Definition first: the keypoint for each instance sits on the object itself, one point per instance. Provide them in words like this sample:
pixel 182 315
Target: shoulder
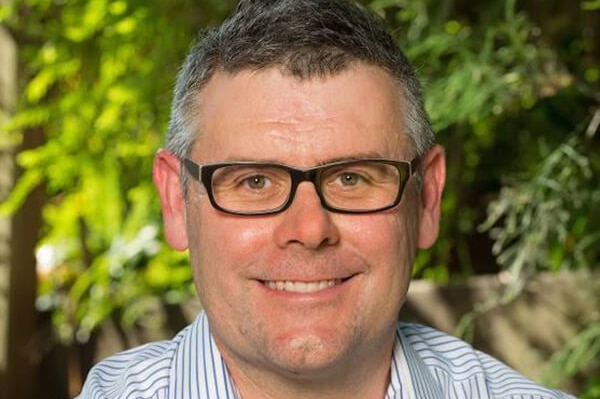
pixel 458 366
pixel 144 371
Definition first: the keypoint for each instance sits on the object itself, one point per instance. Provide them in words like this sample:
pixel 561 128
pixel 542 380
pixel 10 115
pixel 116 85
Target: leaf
pixel 25 185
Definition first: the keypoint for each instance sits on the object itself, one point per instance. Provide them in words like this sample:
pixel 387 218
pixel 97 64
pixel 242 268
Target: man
pixel 301 174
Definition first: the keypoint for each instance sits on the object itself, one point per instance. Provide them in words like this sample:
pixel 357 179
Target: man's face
pixel 305 291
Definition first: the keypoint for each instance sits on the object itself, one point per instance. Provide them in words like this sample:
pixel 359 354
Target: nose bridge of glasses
pixel 304 175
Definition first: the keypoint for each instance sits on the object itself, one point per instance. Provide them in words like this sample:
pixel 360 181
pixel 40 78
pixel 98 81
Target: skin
pixel 335 342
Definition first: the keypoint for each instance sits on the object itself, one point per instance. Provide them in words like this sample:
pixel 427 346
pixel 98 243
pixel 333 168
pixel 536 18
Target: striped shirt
pixel 426 364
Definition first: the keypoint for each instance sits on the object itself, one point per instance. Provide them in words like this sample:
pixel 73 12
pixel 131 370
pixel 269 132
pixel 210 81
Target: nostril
pixel 306 222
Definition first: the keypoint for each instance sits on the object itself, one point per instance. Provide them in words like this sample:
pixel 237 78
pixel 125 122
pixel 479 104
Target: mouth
pixel 302 287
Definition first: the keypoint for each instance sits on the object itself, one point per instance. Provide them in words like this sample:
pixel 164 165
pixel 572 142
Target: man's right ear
pixel 166 175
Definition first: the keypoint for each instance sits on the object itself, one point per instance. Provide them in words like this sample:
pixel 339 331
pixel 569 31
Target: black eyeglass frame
pixel 204 173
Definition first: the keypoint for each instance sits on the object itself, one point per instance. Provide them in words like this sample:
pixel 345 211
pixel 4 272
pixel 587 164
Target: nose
pixel 306 222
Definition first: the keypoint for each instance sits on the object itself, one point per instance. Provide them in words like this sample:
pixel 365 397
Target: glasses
pixel 351 186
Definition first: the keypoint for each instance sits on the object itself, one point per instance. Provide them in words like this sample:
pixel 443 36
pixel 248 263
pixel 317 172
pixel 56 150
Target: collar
pixel 198 370
pixel 410 378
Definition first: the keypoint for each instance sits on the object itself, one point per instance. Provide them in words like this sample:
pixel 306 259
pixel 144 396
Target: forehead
pixel 270 115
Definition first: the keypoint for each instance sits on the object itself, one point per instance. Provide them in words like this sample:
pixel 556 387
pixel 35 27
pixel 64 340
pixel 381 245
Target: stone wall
pixel 524 332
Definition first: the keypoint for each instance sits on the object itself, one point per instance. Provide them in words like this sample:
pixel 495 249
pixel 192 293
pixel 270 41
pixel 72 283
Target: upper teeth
pixel 296 286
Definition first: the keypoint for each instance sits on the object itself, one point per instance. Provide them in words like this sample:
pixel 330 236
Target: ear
pixel 166 175
pixel 434 177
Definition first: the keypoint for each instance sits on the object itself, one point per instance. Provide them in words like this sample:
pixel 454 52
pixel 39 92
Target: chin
pixel 310 354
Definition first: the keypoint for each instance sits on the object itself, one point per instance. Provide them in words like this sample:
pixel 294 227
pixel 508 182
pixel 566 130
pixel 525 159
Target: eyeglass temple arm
pixel 414 165
pixel 192 167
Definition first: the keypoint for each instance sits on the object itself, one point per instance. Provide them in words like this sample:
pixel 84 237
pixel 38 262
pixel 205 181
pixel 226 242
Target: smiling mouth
pixel 302 287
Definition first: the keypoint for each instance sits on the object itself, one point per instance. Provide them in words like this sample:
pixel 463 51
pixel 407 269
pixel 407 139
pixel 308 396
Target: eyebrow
pixel 353 157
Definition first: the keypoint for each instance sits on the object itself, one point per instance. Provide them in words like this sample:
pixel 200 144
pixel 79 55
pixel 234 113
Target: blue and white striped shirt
pixel 426 364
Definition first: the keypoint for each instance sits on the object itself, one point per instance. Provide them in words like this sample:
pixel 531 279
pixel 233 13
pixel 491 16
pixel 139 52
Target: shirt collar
pixel 198 370
pixel 410 378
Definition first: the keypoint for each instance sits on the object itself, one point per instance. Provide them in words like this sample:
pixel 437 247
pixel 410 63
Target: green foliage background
pixel 513 91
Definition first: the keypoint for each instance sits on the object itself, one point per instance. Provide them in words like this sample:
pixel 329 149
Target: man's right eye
pixel 256 182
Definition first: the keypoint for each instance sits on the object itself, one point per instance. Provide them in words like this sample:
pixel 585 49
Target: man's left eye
pixel 350 179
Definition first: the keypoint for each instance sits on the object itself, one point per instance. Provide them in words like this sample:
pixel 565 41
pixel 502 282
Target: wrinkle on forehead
pixel 303 115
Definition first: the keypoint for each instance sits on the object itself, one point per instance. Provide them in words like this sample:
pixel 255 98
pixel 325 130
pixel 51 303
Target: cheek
pixel 233 241
pixel 221 235
pixel 388 244
pixel 221 247
pixel 387 237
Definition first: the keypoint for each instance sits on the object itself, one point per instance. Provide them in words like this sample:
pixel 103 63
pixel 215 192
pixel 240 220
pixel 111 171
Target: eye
pixel 350 179
pixel 257 182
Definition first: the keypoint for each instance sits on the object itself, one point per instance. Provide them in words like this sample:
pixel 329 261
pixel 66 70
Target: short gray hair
pixel 306 38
